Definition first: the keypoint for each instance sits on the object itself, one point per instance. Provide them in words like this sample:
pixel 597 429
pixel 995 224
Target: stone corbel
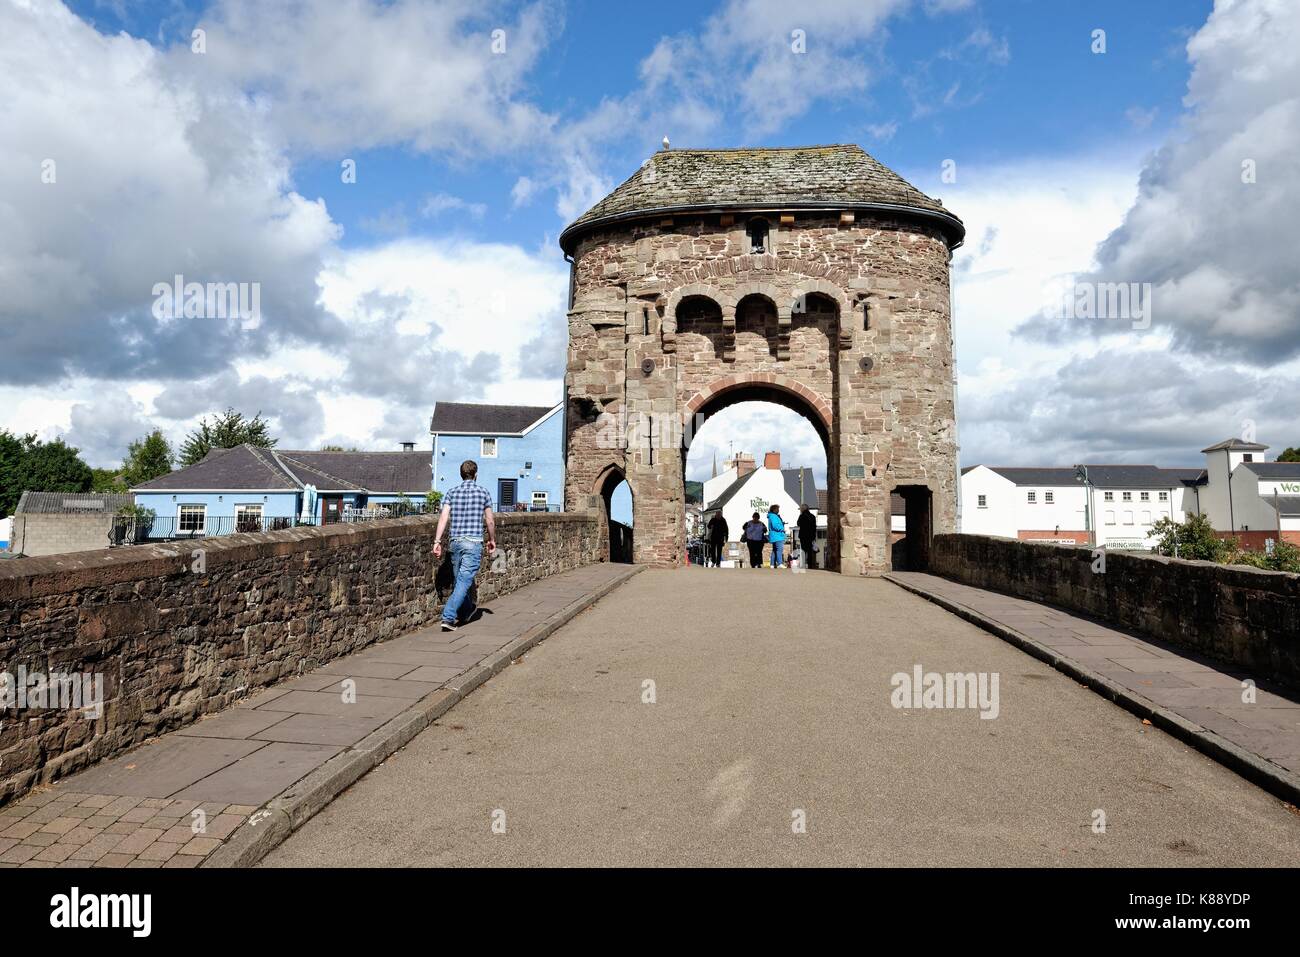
pixel 667 325
pixel 783 326
pixel 728 333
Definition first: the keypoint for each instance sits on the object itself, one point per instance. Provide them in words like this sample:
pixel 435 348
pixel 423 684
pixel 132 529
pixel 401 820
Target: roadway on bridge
pixel 772 696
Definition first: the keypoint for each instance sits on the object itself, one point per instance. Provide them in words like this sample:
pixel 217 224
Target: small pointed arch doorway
pixel 616 514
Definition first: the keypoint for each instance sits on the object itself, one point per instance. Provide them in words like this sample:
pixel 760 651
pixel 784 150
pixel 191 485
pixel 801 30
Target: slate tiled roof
pixel 1274 470
pixel 70 503
pixel 1101 476
pixel 242 468
pixel 836 177
pixel 373 471
pixel 791 479
pixel 484 419
pixel 245 468
pixel 1236 445
pixel 1288 505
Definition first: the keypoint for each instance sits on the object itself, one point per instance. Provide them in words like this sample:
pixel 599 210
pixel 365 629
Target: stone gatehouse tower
pixel 814 277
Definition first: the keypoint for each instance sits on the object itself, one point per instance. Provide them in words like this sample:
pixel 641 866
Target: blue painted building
pixel 254 489
pixel 519 450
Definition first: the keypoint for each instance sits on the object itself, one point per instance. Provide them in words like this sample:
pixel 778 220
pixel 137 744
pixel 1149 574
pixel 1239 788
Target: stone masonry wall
pixel 1243 616
pixel 40 533
pixel 879 290
pixel 174 643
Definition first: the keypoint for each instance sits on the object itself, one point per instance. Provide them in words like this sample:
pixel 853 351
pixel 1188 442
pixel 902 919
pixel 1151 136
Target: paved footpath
pixel 194 794
pixel 771 706
pixel 1195 695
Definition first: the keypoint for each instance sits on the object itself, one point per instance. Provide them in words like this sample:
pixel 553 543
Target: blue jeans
pixel 777 560
pixel 466 554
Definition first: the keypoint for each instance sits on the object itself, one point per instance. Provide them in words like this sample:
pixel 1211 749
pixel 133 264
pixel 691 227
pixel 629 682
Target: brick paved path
pixel 173 802
pixel 1205 692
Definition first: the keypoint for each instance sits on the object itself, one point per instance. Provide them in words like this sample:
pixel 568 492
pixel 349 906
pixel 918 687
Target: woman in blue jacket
pixel 776 535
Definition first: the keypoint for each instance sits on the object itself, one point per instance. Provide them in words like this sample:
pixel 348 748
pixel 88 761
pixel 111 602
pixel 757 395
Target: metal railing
pixel 127 530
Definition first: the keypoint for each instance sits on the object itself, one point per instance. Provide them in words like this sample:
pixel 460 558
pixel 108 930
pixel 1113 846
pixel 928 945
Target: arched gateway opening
pixel 616 534
pixel 838 308
pixel 725 394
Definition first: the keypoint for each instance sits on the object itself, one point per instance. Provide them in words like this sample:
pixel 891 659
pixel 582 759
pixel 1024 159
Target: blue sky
pixel 436 275
pixel 1032 88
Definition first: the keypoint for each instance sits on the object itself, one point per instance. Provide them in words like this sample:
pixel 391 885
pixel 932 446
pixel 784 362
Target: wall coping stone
pixel 38 576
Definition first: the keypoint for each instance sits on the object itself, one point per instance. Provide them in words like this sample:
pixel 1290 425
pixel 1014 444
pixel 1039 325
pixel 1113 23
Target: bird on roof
pixel 665 142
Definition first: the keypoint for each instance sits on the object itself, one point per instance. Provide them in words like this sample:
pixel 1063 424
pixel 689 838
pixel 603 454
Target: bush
pixel 1285 558
pixel 1192 539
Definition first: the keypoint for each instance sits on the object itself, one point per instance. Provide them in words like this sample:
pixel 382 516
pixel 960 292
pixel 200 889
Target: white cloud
pixel 1218 249
pixel 148 182
pixel 337 75
pixel 756 428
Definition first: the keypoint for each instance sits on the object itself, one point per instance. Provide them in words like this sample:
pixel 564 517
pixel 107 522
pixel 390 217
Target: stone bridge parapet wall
pixel 184 629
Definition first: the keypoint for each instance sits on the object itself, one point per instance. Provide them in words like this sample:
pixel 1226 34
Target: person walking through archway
pixel 754 533
pixel 776 535
pixel 718 533
pixel 808 536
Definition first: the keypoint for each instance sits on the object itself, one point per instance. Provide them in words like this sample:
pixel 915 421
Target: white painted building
pixel 1117 505
pixel 756 490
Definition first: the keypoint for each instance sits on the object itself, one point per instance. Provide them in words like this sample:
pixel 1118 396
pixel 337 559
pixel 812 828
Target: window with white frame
pixel 1033 497
pixel 1049 497
pixel 1146 518
pixel 540 499
pixel 487 448
pixel 1110 516
pixel 1109 496
pixel 191 519
pixel 248 518
pixel 1128 518
pixel 1145 496
pixel 1164 496
pixel 982 501
pixel 1128 496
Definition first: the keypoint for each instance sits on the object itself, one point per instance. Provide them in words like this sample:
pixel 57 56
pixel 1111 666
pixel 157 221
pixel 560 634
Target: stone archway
pixel 781 390
pixel 843 313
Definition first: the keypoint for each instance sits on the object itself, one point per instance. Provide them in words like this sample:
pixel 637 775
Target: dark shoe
pixel 448 626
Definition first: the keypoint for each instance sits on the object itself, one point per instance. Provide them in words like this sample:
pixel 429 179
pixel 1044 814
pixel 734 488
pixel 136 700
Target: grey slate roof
pixel 1236 445
pixel 1288 505
pixel 791 479
pixel 484 419
pixel 1274 470
pixel 239 469
pixel 841 176
pixel 373 471
pixel 70 503
pixel 245 468
pixel 1101 476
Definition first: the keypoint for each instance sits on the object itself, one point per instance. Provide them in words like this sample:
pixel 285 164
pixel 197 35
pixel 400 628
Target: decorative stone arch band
pixel 759 381
pixel 785 309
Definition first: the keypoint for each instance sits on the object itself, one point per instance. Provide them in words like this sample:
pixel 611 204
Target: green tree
pixel 228 429
pixel 30 465
pixel 1192 539
pixel 108 480
pixel 146 458
pixel 1290 455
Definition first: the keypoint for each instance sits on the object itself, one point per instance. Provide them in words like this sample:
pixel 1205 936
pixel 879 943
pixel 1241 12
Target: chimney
pixel 408 446
pixel 742 463
pixel 772 460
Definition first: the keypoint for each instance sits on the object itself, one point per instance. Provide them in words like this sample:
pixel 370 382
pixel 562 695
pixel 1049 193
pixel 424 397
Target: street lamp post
pixel 1081 475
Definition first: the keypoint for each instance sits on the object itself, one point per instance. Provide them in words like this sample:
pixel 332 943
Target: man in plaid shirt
pixel 468 509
